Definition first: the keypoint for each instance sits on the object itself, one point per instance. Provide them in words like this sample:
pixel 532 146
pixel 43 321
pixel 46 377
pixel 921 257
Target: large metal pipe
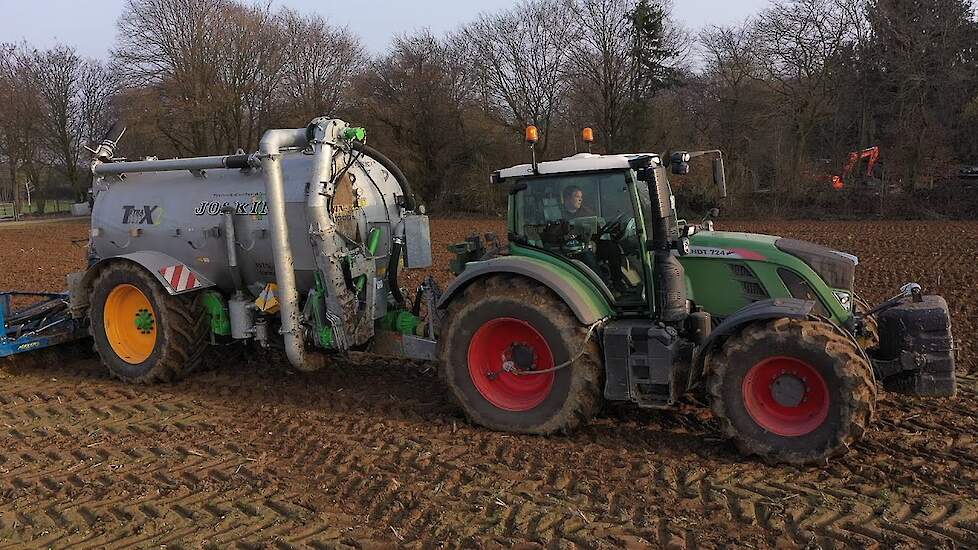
pixel 231 243
pixel 197 163
pixel 272 142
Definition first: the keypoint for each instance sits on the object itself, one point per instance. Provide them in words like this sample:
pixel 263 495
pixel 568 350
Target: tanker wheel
pixel 512 320
pixel 870 336
pixel 792 391
pixel 141 332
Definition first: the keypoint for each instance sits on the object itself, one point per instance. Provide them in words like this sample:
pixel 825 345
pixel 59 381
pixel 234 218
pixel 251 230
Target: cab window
pixel 587 217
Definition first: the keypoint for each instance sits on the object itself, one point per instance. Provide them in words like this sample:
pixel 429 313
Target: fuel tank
pixel 181 213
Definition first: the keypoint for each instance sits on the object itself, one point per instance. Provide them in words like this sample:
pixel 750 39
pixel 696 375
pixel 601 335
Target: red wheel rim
pixel 786 396
pixel 507 339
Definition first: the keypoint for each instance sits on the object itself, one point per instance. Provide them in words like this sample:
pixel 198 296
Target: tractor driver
pixel 574 203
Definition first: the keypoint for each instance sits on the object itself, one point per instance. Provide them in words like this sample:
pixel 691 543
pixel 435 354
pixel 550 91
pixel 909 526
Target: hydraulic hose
pixel 409 201
pixel 392 262
pixel 115 132
pixel 106 150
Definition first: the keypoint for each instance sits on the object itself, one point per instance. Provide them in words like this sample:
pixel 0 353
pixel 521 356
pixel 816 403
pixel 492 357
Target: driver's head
pixel 573 198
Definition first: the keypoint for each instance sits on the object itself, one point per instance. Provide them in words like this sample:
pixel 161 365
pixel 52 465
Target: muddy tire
pixel 141 332
pixel 870 336
pixel 791 391
pixel 511 318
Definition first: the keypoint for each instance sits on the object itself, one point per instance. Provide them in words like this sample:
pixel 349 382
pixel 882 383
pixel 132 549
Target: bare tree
pixel 739 115
pixel 96 88
pixel 624 56
pixel 214 64
pixel 927 70
pixel 603 65
pixel 73 94
pixel 250 68
pixel 793 43
pixel 522 57
pixel 322 64
pixel 418 94
pixel 20 119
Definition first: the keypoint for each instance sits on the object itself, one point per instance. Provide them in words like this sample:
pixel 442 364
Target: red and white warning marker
pixel 179 277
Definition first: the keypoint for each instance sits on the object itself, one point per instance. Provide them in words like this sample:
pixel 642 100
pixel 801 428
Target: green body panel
pixel 324 332
pixel 400 321
pixel 712 284
pixel 217 310
pixel 576 280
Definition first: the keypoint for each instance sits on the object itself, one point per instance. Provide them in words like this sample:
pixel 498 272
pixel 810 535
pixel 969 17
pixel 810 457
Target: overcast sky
pixel 89 25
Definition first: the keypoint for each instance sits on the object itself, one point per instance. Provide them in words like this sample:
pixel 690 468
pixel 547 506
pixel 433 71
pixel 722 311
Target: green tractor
pixel 604 295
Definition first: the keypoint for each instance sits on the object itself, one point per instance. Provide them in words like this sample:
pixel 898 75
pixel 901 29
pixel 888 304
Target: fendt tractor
pixel 600 295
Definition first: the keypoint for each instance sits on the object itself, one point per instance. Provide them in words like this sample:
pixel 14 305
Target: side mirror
pixel 719 178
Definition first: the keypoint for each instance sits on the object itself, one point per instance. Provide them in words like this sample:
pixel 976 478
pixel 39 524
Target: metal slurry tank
pixel 180 213
pixel 315 210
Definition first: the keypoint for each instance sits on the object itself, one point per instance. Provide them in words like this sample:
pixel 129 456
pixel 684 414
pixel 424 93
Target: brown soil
pixel 371 453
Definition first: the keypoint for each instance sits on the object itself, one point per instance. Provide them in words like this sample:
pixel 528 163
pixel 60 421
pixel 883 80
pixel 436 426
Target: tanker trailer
pixel 295 246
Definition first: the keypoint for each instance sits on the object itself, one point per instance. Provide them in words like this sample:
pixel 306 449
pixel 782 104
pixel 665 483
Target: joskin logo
pixel 147 215
pixel 239 208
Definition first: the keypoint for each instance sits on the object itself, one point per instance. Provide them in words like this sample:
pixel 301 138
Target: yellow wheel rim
pixel 130 324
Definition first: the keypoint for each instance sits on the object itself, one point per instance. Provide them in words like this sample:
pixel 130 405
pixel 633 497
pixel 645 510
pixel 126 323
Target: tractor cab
pixel 611 217
pixel 586 209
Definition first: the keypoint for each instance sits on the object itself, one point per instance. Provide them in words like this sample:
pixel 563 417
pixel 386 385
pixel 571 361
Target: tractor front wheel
pixel 792 391
pixel 498 335
pixel 142 333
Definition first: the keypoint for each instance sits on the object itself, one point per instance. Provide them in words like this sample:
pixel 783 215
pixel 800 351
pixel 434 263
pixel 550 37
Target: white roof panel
pixel 581 162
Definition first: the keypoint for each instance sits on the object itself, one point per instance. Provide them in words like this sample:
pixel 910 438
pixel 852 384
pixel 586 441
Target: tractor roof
pixel 581 162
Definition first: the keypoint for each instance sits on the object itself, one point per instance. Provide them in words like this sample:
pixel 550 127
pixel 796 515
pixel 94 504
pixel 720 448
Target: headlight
pixel 844 298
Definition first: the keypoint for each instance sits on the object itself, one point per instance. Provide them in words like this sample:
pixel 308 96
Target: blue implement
pixel 46 321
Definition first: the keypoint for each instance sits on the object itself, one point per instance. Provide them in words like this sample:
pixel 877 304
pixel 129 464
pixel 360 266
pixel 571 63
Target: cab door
pixel 590 220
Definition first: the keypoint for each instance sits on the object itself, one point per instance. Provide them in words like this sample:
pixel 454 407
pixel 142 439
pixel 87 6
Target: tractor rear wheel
pixel 514 322
pixel 792 391
pixel 141 332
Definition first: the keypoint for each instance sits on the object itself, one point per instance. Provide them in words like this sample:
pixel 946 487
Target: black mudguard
pixel 774 308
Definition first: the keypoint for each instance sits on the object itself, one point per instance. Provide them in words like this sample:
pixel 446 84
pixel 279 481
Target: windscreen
pixel 586 217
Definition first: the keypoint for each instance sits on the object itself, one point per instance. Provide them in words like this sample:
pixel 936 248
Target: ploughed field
pixel 371 452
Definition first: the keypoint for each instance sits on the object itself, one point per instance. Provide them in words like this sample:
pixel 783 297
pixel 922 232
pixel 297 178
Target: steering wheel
pixel 613 228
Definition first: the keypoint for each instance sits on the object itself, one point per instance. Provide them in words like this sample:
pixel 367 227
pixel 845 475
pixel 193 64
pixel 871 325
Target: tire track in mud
pixel 98 464
pixel 372 452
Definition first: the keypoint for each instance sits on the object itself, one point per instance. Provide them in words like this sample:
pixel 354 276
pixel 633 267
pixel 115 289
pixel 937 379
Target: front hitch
pixel 909 290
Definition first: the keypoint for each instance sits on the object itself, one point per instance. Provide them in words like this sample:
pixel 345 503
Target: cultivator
pixel 33 321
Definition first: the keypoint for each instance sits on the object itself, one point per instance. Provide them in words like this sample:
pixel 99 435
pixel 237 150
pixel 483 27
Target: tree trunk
pixel 14 187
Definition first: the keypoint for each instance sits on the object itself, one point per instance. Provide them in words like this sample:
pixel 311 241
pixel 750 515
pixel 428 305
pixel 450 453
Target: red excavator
pixel 855 158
